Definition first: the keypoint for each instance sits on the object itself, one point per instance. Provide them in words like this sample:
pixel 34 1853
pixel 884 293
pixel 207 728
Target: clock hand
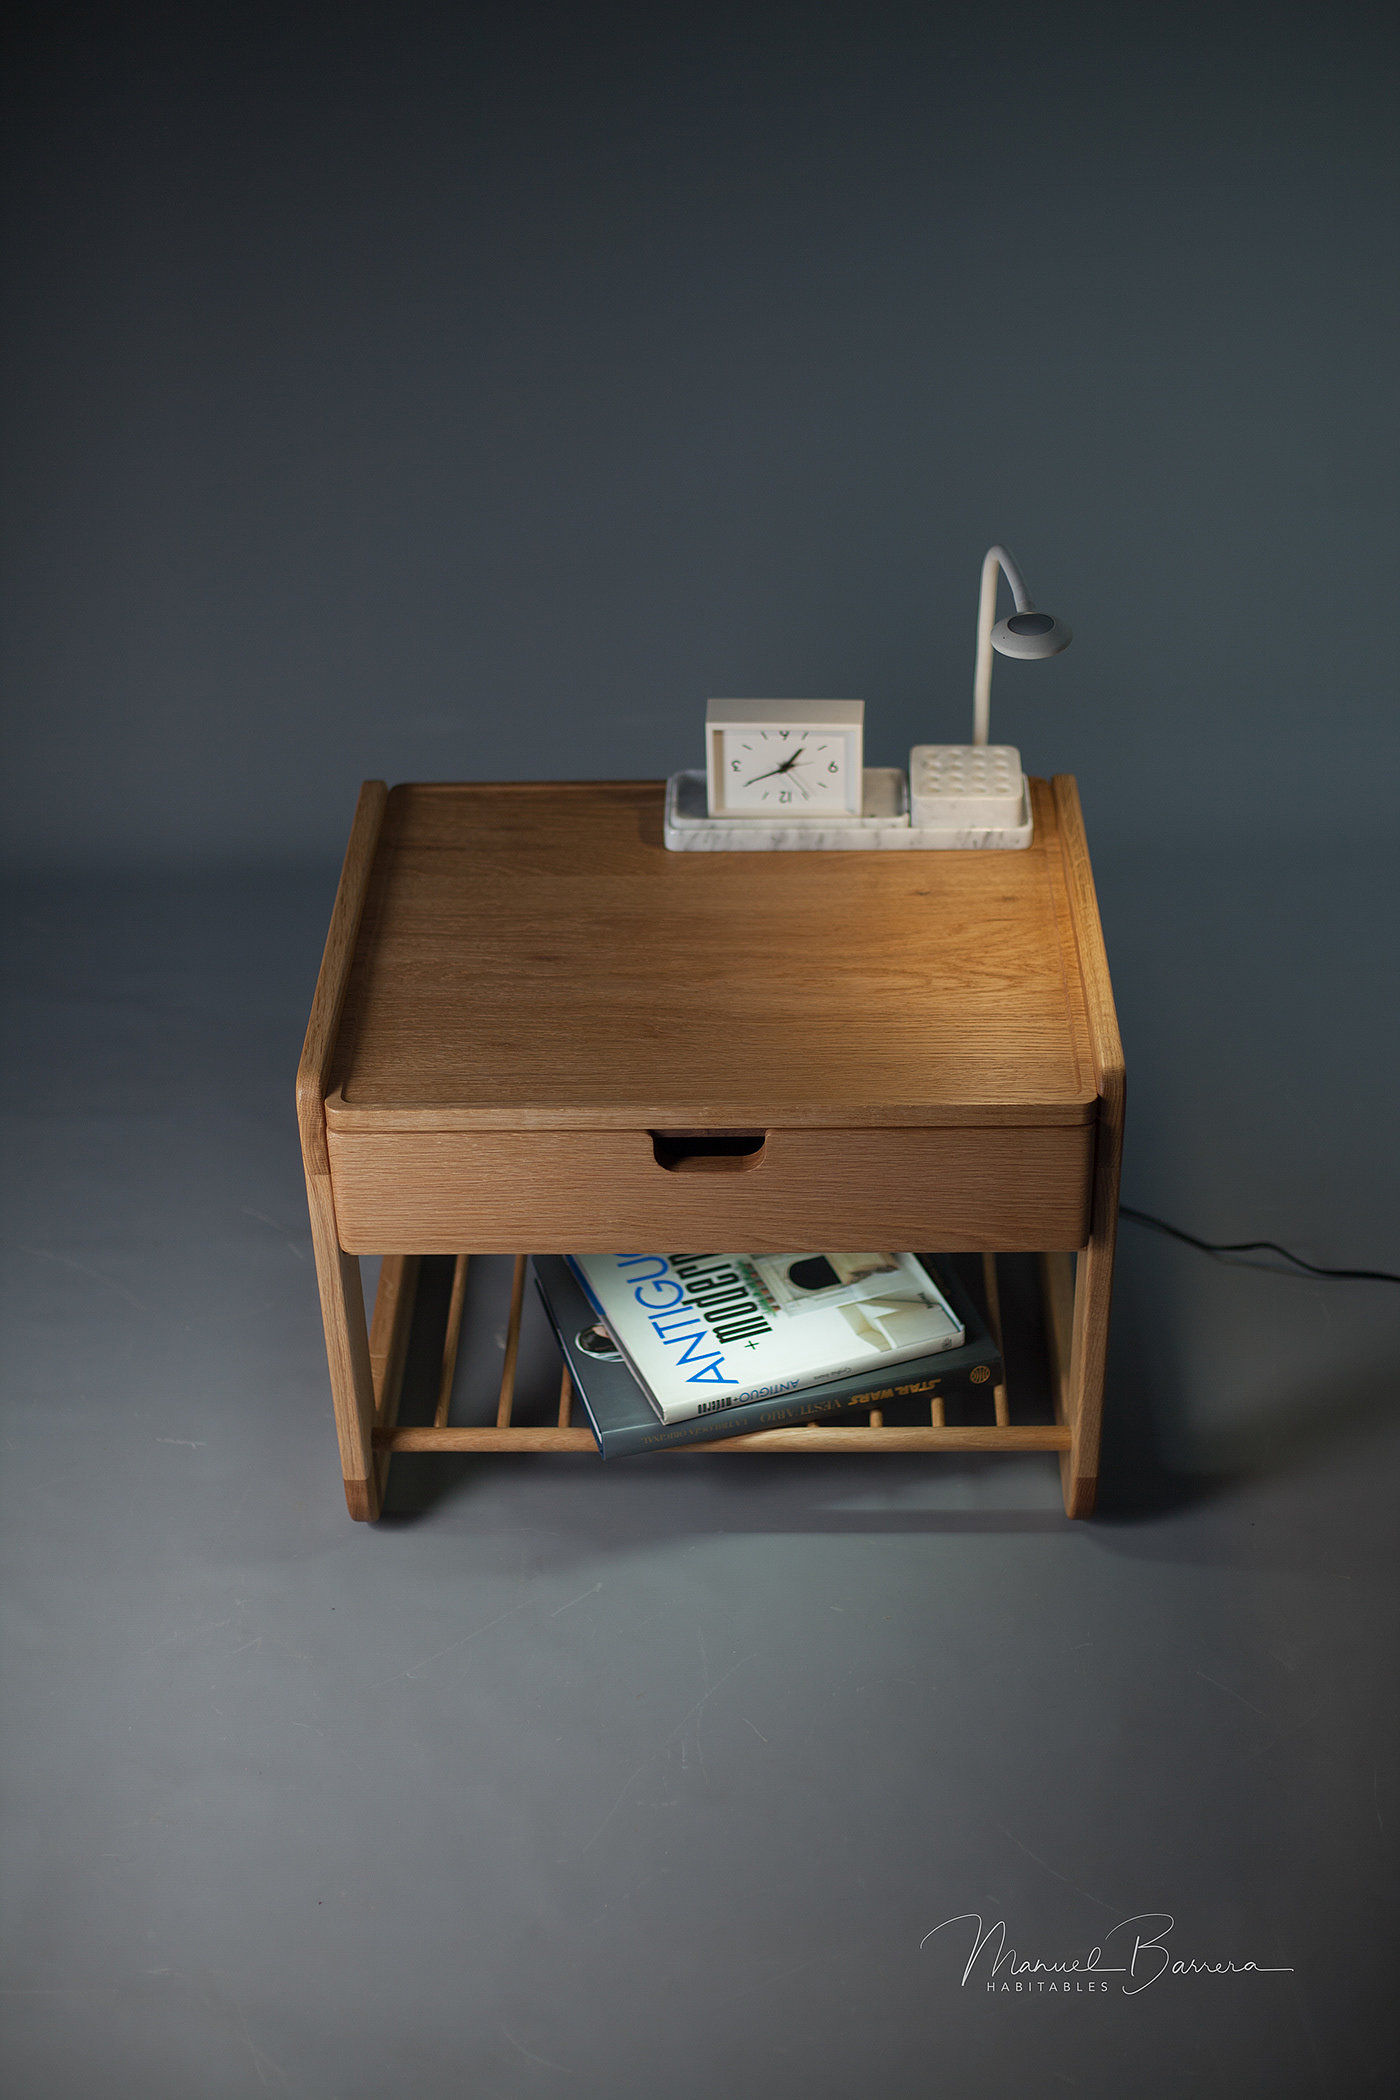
pixel 785 767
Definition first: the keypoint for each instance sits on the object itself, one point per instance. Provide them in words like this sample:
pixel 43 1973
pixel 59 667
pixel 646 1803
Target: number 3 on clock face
pixel 786 760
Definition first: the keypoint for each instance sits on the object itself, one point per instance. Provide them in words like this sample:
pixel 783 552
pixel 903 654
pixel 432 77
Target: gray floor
pixel 656 1778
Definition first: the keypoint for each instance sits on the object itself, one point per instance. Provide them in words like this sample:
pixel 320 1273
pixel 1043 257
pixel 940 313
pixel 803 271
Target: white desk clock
pixel 788 774
pixel 796 760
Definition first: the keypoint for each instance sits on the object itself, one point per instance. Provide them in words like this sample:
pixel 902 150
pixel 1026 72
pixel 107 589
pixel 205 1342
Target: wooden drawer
pixel 428 1191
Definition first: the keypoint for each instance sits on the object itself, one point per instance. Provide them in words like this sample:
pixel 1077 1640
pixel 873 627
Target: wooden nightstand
pixel 536 1030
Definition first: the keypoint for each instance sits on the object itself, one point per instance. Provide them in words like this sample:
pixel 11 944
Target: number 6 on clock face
pixel 786 760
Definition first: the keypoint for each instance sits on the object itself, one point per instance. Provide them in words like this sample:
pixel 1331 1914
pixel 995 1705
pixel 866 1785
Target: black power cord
pixel 1220 1249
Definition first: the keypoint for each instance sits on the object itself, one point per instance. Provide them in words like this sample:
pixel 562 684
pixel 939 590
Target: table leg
pixel 388 1345
pixel 1078 1292
pixel 1093 1291
pixel 347 1352
pixel 1078 1308
pixel 338 1273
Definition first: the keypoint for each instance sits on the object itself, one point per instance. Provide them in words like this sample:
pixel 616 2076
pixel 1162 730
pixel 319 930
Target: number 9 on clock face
pixel 785 760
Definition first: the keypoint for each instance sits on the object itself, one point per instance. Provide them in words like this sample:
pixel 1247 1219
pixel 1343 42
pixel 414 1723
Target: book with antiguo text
pixel 624 1422
pixel 702 1333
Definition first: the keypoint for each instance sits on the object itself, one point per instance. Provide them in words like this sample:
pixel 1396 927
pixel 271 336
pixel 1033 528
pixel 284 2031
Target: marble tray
pixel 883 824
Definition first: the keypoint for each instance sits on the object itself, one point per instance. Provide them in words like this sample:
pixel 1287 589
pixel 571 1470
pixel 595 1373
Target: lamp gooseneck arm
pixel 995 558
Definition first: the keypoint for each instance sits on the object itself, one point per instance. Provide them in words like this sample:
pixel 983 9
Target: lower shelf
pixel 388 1342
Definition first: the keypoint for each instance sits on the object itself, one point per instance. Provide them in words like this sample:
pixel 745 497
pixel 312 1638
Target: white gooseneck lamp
pixel 976 794
pixel 1025 632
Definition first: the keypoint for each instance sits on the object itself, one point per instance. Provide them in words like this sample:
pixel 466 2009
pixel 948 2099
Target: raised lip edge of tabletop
pixel 1068 1109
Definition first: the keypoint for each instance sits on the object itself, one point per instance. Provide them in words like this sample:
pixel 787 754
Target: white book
pixel 701 1332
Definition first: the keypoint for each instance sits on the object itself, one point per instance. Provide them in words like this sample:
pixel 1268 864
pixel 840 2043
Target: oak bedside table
pixel 536 1030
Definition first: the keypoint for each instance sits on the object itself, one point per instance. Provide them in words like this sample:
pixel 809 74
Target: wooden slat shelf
pixel 393 1313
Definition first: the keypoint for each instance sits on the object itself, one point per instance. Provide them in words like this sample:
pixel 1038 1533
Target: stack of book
pixel 686 1348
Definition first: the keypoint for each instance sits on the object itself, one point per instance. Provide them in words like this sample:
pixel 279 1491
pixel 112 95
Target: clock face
pixel 795 772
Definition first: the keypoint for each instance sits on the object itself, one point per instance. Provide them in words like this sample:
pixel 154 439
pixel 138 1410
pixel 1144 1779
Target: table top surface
pixel 531 956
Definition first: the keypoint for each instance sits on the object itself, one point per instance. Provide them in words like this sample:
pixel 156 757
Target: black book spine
pixel 789 1413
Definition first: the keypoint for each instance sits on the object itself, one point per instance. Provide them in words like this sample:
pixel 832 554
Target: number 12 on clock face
pixel 785 760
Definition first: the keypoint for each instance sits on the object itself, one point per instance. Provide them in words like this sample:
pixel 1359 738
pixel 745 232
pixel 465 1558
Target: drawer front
pixel 587 1191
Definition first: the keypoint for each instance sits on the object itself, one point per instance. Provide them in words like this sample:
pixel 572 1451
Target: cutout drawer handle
pixel 707 1151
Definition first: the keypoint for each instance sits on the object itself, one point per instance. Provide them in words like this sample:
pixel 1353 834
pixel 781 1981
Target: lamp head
pixel 1030 633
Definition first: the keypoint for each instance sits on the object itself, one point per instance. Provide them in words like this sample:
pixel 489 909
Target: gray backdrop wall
pixel 469 392
pixel 453 392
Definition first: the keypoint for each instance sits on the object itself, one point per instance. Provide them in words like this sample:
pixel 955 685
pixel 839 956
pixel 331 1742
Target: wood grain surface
pixel 1093 1293
pixel 582 1191
pixel 531 956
